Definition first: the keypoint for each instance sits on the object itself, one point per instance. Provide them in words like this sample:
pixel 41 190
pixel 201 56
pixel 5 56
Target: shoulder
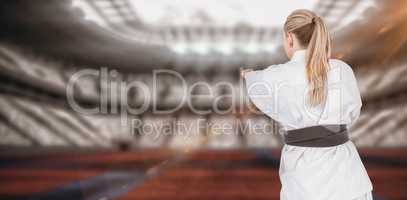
pixel 339 63
pixel 268 70
pixel 278 69
pixel 274 68
pixel 272 73
pixel 344 72
pixel 276 72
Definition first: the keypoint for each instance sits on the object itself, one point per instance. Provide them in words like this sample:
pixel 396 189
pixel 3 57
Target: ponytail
pixel 318 53
pixel 312 32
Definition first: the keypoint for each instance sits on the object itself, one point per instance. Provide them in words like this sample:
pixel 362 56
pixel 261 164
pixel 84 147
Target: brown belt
pixel 318 136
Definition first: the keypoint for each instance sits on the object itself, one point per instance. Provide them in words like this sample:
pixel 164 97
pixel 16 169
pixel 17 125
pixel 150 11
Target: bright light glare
pixel 223 13
pixel 225 48
pixel 201 47
pixel 90 13
pixel 182 14
pixel 180 48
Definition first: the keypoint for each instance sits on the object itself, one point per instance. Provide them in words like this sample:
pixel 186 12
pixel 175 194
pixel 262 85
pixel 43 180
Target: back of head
pixel 311 32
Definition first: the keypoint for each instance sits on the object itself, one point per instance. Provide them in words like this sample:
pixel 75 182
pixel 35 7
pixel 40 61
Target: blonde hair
pixel 312 33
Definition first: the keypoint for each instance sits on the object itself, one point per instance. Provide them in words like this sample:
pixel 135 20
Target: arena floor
pixel 164 174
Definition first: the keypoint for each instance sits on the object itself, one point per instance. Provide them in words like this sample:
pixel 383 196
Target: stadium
pixel 132 99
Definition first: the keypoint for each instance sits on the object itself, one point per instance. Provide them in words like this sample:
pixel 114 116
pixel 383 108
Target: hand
pixel 244 71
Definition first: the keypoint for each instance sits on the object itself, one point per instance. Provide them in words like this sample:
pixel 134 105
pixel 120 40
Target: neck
pixel 299 48
pixel 298 55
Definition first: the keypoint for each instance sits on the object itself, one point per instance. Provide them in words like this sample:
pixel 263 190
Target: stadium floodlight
pixel 225 48
pixel 180 48
pixel 122 16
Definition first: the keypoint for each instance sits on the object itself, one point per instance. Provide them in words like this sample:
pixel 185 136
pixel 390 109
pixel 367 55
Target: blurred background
pixel 50 151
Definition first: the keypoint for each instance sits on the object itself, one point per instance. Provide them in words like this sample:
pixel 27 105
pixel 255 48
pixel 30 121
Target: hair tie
pixel 314 19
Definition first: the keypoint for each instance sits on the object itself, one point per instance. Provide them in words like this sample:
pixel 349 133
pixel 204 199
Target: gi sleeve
pixel 260 90
pixel 353 98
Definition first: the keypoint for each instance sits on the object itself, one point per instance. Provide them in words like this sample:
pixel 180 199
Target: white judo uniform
pixel 308 173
